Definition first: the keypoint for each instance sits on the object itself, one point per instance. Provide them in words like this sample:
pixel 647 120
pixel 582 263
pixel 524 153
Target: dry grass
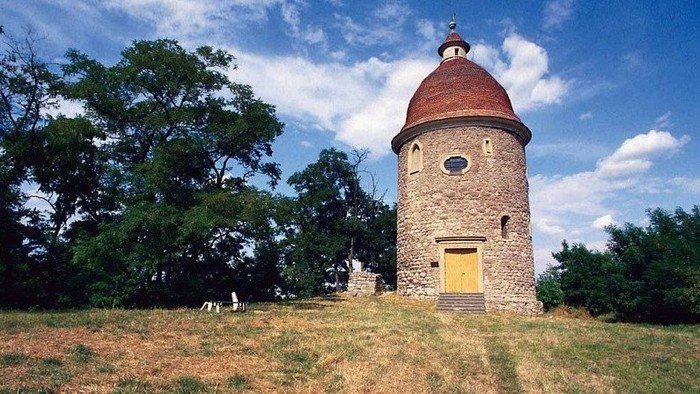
pixel 381 344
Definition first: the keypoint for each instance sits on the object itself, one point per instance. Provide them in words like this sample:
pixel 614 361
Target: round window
pixel 456 164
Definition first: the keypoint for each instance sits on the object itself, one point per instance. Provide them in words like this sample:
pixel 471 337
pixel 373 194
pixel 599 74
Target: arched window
pixel 415 158
pixel 505 224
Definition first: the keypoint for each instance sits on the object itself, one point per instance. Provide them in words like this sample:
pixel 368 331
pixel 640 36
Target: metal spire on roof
pixel 453 22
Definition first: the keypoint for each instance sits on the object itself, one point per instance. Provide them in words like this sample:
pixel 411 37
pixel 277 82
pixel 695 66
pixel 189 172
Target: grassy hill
pixel 383 344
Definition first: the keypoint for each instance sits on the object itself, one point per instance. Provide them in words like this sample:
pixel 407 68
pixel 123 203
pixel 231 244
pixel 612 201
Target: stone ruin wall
pixel 433 205
pixel 365 284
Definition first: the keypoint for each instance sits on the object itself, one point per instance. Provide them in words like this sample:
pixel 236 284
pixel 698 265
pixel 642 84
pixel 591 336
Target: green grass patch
pixel 189 385
pixel 237 382
pixel 105 368
pixel 14 358
pixel 52 362
pixel 82 353
pixel 50 373
pixel 337 345
pixel 132 386
pixel 503 365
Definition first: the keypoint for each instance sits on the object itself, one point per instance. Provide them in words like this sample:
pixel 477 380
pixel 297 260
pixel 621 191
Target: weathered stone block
pixel 365 284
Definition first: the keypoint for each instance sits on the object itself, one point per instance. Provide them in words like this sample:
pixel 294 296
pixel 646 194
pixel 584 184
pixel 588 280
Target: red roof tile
pixel 457 88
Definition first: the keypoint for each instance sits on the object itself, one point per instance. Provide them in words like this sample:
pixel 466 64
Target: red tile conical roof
pixel 458 88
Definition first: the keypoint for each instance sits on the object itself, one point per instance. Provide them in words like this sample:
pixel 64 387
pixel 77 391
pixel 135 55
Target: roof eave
pixel 514 127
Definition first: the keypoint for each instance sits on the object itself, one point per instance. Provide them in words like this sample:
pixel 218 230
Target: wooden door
pixel 461 271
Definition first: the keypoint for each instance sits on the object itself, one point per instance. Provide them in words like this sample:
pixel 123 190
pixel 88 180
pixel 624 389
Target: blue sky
pixel 610 90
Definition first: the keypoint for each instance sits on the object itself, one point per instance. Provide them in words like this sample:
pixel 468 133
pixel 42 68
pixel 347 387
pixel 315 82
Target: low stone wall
pixel 525 308
pixel 365 284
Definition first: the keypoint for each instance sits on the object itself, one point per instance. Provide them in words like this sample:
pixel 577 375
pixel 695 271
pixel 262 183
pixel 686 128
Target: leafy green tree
pixel 67 170
pixel 31 264
pixel 377 247
pixel 181 142
pixel 589 279
pixel 318 237
pixel 372 224
pixel 333 221
pixel 649 274
pixel 18 239
pixel 549 290
pixel 661 265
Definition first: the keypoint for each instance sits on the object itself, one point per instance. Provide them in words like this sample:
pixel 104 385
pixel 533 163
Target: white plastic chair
pixel 237 306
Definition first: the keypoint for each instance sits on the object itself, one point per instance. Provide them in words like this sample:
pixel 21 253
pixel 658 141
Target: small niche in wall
pixel 487 146
pixel 505 227
pixel 415 158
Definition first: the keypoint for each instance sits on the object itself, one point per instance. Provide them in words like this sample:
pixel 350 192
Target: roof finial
pixel 453 22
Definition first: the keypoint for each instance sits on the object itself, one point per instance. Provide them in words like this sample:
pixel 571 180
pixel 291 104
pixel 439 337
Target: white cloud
pixel 572 149
pixel 523 73
pixel 649 144
pixel 585 193
pixel 486 56
pixel 191 18
pixel 384 25
pixel 557 12
pixel 309 34
pixel 392 10
pixel 426 29
pixel 317 93
pixel 585 116
pixel 543 259
pixel 663 120
pixel 364 103
pixel 690 185
pixel 357 34
pixel 571 206
pixel 544 225
pixel 36 198
pixel 635 154
pixel 67 108
pixel 305 144
pixel 383 113
pixel 581 193
pixel 338 55
pixel 290 14
pixel 603 221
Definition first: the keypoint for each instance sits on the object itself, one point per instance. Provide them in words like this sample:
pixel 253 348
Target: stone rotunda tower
pixel 463 210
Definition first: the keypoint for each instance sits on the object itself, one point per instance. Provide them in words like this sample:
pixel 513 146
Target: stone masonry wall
pixel 432 204
pixel 365 284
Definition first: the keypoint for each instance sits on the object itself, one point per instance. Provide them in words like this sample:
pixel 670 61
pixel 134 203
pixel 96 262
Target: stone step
pixel 462 295
pixel 472 309
pixel 462 300
pixel 462 310
pixel 452 298
pixel 468 302
pixel 461 303
pixel 461 306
